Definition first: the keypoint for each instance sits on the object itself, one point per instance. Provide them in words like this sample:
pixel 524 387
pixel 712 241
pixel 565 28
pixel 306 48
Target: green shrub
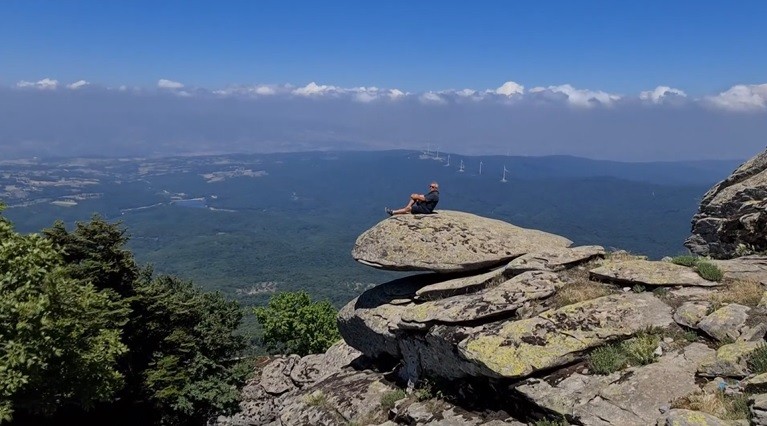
pixel 685 260
pixel 709 271
pixel 640 349
pixel 389 398
pixel 293 324
pixel 705 269
pixel 638 288
pixel 757 360
pixel 606 359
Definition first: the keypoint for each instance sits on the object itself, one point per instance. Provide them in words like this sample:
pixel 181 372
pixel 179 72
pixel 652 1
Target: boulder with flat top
pixel 450 241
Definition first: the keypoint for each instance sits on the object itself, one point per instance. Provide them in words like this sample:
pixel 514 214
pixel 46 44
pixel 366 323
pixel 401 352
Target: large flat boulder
pixel 517 349
pixel 450 241
pixel 649 273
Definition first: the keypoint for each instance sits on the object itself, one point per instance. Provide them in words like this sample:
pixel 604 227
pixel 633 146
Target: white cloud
pixel 260 90
pixel 395 94
pixel 742 98
pixel 77 84
pixel 660 93
pixel 579 97
pixel 264 91
pixel 509 88
pixel 364 94
pixel 313 89
pixel 169 84
pixel 432 98
pixel 44 84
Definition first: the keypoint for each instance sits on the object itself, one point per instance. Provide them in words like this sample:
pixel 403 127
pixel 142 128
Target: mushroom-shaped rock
pixel 650 273
pixel 450 241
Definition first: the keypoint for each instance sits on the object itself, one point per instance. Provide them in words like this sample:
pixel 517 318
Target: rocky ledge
pixel 517 340
pixel 505 325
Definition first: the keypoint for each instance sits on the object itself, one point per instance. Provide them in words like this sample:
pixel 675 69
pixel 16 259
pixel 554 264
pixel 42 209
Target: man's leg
pixel 406 209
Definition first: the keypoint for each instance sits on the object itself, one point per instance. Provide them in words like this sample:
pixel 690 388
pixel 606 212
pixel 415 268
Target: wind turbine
pixel 504 174
pixel 448 160
pixel 480 167
pixel 461 169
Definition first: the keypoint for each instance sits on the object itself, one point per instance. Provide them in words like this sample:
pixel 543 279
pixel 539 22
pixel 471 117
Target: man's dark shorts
pixel 419 209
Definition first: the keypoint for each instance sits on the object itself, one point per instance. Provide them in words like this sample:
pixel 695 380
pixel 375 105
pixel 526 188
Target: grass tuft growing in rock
pixel 607 359
pixel 580 291
pixel 726 407
pixel 704 268
pixel 742 292
pixel 757 360
pixel 390 398
pixel 317 399
pixel 709 271
pixel 685 260
pixel 640 350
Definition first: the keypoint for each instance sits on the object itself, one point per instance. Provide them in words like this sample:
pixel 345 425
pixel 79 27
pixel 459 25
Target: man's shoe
pixel 389 211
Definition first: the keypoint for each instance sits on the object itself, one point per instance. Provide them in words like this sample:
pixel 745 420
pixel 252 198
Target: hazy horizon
pixel 652 81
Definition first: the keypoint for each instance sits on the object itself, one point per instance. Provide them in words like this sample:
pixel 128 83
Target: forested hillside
pixel 88 336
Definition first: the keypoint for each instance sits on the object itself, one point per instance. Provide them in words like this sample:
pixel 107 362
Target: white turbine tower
pixel 461 169
pixel 503 179
pixel 448 160
pixel 480 167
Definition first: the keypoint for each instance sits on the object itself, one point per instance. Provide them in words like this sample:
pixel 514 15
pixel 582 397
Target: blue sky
pixel 616 46
pixel 466 66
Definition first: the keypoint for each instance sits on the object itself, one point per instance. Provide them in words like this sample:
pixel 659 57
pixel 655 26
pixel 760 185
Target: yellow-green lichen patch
pixel 519 348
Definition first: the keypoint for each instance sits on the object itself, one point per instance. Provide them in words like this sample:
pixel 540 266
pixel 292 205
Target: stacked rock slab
pixel 441 321
pixel 732 214
pixel 488 312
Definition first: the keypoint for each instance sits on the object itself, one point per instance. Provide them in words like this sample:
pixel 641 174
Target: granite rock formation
pixel 732 219
pixel 506 326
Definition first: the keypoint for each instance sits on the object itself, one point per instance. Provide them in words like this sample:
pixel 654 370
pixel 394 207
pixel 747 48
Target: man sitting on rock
pixel 420 203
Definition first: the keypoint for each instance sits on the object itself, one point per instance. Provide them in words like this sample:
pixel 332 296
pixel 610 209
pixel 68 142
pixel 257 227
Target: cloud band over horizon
pixel 44 118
